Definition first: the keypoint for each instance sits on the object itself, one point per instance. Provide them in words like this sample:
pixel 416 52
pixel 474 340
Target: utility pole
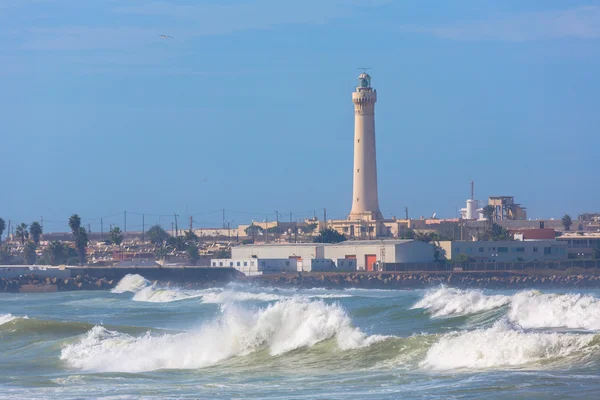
pixel 223 218
pixel 8 232
pixel 277 226
pixel 143 227
pixel 89 229
pixel 101 229
pixel 124 223
pixel 191 222
pixel 406 211
pixel 176 230
pixel 42 219
pixel 267 230
pixel 172 229
pixel 315 215
pixel 325 216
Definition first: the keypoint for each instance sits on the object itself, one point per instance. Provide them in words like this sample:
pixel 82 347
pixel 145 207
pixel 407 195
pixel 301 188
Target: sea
pixel 142 341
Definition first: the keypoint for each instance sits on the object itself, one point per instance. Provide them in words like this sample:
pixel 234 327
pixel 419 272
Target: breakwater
pixel 194 277
pixel 82 278
pixel 394 280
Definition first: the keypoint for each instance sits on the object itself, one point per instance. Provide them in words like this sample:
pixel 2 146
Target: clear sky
pixel 248 107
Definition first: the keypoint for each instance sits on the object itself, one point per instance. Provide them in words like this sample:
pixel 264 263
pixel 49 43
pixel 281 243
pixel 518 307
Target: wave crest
pixel 131 283
pixel 533 309
pixel 281 327
pixel 447 302
pixel 500 346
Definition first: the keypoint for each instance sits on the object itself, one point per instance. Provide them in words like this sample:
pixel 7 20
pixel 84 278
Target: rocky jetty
pixel 31 283
pixel 396 280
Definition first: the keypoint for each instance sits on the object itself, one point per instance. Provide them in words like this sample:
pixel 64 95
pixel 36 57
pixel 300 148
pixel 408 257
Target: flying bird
pixel 166 37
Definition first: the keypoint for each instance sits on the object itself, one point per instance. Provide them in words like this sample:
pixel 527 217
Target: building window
pixel 238 263
pixel 220 263
pixel 231 263
pixel 502 249
pixel 245 263
pixel 518 249
pixel 345 229
pixel 481 249
pixel 457 249
pixel 214 264
pixel 371 229
pixel 287 263
pixel 535 249
pixel 469 250
pixel 547 250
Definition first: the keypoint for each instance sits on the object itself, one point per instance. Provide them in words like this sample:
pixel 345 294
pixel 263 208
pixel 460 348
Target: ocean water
pixel 239 341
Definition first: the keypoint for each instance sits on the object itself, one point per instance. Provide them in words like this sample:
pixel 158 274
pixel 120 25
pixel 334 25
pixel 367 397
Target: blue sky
pixel 248 107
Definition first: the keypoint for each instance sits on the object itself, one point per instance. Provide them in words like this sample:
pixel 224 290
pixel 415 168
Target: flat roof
pixel 344 243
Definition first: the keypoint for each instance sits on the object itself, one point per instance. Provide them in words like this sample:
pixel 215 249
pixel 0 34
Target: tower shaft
pixel 365 200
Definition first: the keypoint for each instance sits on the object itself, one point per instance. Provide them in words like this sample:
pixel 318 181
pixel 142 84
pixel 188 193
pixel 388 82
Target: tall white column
pixel 365 201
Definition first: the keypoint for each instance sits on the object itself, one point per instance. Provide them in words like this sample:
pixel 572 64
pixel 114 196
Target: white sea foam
pixel 532 309
pixel 5 318
pixel 230 296
pixel 501 347
pixel 280 327
pixel 447 302
pixel 131 283
pixel 151 294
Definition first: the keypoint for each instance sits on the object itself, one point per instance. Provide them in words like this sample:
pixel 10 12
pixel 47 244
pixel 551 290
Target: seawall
pixel 416 280
pixel 105 278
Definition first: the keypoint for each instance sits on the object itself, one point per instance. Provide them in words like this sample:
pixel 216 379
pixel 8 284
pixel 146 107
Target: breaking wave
pixel 131 283
pixel 533 309
pixel 447 302
pixel 6 318
pixel 502 347
pixel 279 328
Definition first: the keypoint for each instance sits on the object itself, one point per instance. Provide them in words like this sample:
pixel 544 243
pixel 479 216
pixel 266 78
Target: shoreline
pixel 30 283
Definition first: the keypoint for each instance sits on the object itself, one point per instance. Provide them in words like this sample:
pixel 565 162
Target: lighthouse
pixel 365 201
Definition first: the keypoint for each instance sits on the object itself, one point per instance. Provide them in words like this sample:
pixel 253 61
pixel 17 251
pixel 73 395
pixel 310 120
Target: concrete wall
pixel 390 251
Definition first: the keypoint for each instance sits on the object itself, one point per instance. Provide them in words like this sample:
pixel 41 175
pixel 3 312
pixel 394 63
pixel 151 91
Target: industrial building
pixel 345 256
pixel 505 251
pixel 506 209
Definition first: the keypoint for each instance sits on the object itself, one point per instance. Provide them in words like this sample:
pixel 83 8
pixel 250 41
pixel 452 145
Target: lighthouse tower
pixel 365 201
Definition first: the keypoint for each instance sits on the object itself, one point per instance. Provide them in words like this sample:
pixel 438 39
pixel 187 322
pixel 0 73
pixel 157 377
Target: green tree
pixel 56 253
pixel 2 228
pixel 29 253
pixel 488 212
pixel 5 255
pixel 567 222
pixel 22 233
pixel 193 255
pixel 499 233
pixel 161 252
pixel 329 235
pixel 80 237
pixel 309 228
pixel 408 234
pixel 36 232
pixel 178 243
pixel 422 236
pixel 223 253
pixel 253 230
pixel 116 236
pixel 157 235
pixel 190 237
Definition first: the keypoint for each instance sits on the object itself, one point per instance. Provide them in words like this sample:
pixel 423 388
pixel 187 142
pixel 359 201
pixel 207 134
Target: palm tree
pixel 488 212
pixel 22 233
pixel 2 228
pixel 36 231
pixel 567 222
pixel 80 236
pixel 116 237
pixel 29 253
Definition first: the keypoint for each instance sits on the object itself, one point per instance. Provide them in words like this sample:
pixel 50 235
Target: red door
pixel 370 259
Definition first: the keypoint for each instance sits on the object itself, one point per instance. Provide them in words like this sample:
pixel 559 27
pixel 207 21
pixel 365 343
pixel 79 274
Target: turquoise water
pixel 262 343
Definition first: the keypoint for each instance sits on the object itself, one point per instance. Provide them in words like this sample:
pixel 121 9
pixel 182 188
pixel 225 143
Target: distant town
pixel 493 231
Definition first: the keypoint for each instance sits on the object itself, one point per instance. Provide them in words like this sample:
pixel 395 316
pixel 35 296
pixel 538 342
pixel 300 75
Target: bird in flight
pixel 166 37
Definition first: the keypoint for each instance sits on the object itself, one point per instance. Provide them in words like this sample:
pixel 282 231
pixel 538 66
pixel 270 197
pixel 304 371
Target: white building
pixel 505 251
pixel 255 266
pixel 364 253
